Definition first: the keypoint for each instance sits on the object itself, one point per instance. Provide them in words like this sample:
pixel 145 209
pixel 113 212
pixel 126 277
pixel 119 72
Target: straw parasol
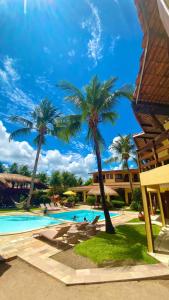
pixel 69 193
pixel 108 191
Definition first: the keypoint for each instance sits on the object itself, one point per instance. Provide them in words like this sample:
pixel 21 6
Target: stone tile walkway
pixel 38 253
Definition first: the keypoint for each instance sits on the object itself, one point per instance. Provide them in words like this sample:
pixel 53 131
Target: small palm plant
pixel 95 105
pixel 124 149
pixel 43 120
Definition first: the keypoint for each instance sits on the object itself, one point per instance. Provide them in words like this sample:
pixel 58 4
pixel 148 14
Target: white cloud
pixel 9 80
pixel 80 146
pixel 9 68
pixel 25 7
pixel 71 53
pixel 94 26
pixel 50 160
pixel 46 50
pixel 114 43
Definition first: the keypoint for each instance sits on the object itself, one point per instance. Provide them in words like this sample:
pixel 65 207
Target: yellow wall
pixel 156 176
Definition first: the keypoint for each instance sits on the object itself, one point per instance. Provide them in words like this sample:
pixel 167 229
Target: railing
pixel 155 153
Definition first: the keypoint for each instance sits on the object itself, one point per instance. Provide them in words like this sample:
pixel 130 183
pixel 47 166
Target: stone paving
pixel 38 253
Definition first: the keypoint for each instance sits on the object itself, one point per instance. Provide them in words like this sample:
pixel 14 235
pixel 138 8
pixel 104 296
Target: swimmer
pixel 74 218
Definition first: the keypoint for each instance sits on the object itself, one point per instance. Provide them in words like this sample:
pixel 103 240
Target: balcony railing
pixel 155 153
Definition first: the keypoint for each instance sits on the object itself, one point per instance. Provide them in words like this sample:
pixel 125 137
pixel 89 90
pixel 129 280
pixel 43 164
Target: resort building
pixel 151 108
pixel 116 180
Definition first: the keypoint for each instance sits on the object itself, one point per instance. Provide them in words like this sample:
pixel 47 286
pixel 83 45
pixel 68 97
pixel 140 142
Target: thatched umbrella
pixel 108 191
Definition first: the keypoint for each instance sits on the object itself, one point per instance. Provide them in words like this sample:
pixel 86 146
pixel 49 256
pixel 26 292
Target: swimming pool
pixel 79 215
pixel 22 223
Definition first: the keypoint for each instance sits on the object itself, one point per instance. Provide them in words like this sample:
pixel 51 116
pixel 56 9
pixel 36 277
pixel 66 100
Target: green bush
pixel 71 199
pixel 91 200
pixel 40 197
pixel 137 204
pixel 118 203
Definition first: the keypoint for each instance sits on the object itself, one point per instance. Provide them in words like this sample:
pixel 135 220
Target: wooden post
pixel 155 154
pixel 126 197
pixel 108 198
pixel 147 221
pixel 161 208
pixel 138 160
pixel 150 200
pixel 84 196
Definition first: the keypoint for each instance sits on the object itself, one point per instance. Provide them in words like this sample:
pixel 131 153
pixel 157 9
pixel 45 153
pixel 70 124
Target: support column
pixel 150 200
pixel 84 197
pixel 147 221
pixel 126 197
pixel 161 208
pixel 108 198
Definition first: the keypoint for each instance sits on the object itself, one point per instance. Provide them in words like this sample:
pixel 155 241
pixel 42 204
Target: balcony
pixel 155 153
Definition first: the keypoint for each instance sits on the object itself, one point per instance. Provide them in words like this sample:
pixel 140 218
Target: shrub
pixel 91 200
pixel 118 203
pixel 71 199
pixel 40 197
pixel 137 204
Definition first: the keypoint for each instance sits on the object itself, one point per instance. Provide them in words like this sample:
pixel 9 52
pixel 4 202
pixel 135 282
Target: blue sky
pixel 45 41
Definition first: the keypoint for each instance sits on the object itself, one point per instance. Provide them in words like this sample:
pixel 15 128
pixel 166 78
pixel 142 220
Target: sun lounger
pixel 52 208
pixel 42 206
pixel 81 226
pixel 96 219
pixel 53 235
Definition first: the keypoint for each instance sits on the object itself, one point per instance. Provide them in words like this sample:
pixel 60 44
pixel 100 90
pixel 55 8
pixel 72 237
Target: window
pixel 119 176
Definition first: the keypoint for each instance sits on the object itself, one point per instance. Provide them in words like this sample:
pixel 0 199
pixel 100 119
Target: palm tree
pixel 124 149
pixel 95 105
pixel 43 119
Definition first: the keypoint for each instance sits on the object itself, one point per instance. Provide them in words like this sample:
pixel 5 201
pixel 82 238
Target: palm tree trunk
pixel 130 179
pixel 28 202
pixel 109 225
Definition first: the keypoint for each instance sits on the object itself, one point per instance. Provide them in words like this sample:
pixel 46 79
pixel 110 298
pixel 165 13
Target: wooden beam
pixel 151 109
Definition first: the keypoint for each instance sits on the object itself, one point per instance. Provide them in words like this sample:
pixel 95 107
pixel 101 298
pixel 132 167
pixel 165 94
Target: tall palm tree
pixel 43 120
pixel 124 149
pixel 95 105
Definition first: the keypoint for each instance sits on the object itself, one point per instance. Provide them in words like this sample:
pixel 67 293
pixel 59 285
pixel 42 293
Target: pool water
pixel 79 215
pixel 22 223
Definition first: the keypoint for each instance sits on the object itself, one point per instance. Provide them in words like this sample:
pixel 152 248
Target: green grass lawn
pixel 127 246
pixel 135 220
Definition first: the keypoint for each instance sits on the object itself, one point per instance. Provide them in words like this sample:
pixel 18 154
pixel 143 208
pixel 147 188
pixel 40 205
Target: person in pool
pixel 85 220
pixel 74 218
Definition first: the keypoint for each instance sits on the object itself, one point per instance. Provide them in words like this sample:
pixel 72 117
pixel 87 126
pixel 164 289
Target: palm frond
pixel 109 116
pixel 67 126
pixel 19 132
pixel 21 120
pixel 111 160
pixel 99 138
pixel 74 94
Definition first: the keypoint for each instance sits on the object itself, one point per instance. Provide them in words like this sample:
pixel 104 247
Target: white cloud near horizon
pixel 50 160
pixel 93 25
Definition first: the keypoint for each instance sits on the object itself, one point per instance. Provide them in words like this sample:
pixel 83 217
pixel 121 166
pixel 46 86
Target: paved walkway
pixel 38 253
